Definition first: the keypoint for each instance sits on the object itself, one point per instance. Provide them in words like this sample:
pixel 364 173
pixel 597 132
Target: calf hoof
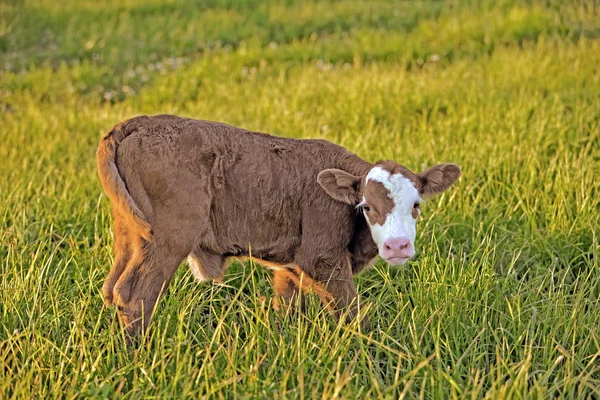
pixel 131 321
pixel 365 324
pixel 129 312
pixel 353 315
pixel 288 305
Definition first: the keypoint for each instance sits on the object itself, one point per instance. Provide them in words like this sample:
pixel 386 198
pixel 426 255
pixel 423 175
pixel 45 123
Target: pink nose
pixel 398 247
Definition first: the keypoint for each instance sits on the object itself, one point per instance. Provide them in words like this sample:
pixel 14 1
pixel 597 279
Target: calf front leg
pixel 206 265
pixel 336 279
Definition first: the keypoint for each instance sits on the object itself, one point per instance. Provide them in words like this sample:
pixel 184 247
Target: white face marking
pixel 399 223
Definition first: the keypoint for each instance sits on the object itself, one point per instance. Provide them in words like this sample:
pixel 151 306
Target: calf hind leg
pixel 137 291
pixel 293 282
pixel 287 286
pixel 126 248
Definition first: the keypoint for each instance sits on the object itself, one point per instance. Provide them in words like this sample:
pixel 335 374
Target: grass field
pixel 502 300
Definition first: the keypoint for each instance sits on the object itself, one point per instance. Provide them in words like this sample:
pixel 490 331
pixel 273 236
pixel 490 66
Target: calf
pixel 309 209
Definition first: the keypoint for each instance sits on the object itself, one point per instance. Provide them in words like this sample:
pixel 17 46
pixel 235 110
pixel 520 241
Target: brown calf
pixel 309 209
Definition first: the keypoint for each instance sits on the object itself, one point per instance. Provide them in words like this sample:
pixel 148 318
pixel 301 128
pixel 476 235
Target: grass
pixel 503 298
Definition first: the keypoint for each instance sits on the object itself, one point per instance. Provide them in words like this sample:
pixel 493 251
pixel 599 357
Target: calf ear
pixel 438 178
pixel 340 185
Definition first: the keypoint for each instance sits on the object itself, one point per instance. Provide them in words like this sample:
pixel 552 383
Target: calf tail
pixel 114 186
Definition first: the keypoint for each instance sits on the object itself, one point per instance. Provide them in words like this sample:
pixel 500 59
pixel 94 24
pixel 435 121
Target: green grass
pixel 503 297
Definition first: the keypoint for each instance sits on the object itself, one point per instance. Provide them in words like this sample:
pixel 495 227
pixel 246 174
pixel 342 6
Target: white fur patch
pixel 399 223
pixel 196 269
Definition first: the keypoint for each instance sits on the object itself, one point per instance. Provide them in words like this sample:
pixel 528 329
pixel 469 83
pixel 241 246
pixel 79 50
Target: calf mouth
pixel 397 260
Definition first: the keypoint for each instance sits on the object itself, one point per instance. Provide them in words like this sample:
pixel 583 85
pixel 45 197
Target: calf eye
pixel 366 208
pixel 416 205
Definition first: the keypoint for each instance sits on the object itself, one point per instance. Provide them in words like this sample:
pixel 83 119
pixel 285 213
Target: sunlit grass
pixel 502 299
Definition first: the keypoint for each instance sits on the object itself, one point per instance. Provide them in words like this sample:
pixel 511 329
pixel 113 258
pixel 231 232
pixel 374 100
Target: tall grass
pixel 502 300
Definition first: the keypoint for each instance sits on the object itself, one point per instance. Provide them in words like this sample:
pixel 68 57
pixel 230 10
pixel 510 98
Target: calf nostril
pixel 397 244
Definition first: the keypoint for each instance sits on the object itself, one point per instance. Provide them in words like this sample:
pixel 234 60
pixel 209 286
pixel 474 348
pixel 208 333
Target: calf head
pixel 389 197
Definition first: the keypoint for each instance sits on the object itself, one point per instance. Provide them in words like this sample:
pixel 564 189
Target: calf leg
pixel 125 248
pixel 206 265
pixel 287 286
pixel 336 278
pixel 140 285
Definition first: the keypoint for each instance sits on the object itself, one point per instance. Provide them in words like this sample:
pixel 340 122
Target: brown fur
pixel 184 187
pixel 379 201
pixel 438 178
pixel 115 188
pixel 290 284
pixel 340 185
